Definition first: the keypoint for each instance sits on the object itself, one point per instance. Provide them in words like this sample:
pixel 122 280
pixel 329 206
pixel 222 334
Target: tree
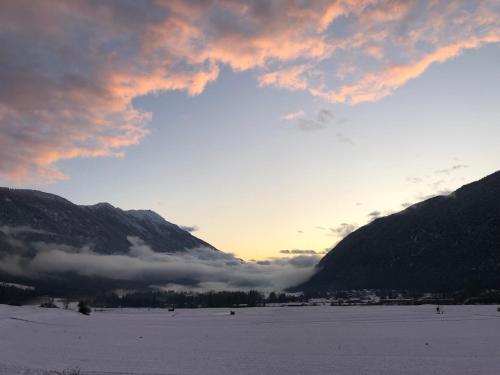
pixel 273 298
pixel 83 308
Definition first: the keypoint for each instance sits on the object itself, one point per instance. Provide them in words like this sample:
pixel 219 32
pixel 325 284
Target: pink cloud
pixel 69 70
pixel 374 86
pixel 293 115
pixel 291 78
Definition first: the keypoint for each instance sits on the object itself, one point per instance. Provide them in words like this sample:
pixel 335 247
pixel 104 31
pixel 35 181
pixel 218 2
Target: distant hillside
pixel 444 243
pixel 40 233
pixel 51 219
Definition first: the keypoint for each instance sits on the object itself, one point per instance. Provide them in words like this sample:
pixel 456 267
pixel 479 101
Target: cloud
pixel 402 38
pixel 190 228
pixel 302 252
pixel 442 192
pixel 309 125
pixel 375 86
pixel 290 78
pixel 451 169
pixel 414 180
pixel 375 214
pixel 197 268
pixel 324 116
pixel 299 262
pixel 344 139
pixel 293 115
pixel 343 230
pixel 70 70
pixel 11 231
pixel 14 235
pixel 432 187
pixel 320 121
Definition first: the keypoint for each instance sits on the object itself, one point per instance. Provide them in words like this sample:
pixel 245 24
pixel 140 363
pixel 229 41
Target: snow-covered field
pixel 275 340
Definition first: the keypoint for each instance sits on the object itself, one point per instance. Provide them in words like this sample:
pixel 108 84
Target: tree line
pixel 12 295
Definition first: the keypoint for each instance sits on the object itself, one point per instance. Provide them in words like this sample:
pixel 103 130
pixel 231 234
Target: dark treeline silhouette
pixel 11 295
pixel 163 299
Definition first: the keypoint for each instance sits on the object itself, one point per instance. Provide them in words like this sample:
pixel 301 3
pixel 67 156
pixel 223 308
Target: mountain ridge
pixel 102 226
pixel 447 242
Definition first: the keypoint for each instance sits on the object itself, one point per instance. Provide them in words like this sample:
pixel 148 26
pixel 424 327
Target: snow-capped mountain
pixel 31 217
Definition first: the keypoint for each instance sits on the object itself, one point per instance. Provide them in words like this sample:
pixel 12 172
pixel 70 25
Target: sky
pixel 267 128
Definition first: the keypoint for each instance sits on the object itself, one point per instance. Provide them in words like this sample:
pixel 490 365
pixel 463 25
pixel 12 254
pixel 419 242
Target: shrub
pixel 83 308
pixel 72 371
pixel 49 304
pixel 68 371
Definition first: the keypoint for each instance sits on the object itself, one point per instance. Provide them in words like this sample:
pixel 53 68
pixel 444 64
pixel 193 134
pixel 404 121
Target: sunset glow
pixel 263 126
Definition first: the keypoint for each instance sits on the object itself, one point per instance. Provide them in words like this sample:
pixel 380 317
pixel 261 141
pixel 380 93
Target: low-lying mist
pixel 195 269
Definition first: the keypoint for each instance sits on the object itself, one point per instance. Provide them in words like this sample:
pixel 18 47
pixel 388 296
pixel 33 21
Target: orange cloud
pixel 293 115
pixel 71 69
pixel 446 27
pixel 375 86
pixel 291 78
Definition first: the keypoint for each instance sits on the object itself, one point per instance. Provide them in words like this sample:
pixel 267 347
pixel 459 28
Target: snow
pixel 18 286
pixel 273 340
pixel 150 216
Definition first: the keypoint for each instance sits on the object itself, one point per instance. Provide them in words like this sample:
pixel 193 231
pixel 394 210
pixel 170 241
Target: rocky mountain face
pixel 32 217
pixel 445 243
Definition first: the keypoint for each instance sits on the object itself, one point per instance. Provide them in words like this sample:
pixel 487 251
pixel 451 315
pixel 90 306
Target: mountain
pixel 445 243
pixel 34 217
pixel 65 249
